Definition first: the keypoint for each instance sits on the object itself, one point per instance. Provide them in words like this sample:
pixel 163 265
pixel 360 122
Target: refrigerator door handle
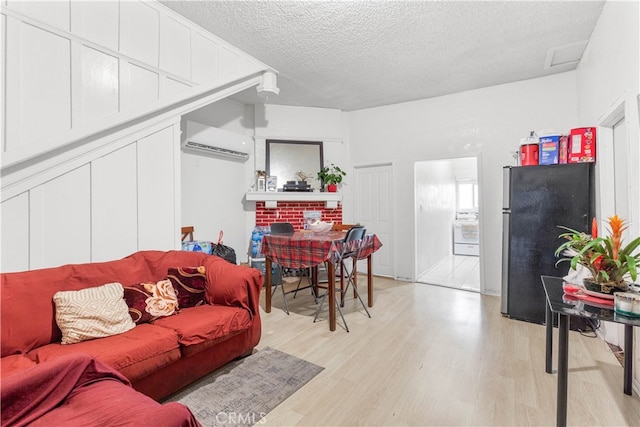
pixel 504 303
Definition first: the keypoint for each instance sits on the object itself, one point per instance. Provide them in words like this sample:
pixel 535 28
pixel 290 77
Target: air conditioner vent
pixel 216 150
pixel 216 142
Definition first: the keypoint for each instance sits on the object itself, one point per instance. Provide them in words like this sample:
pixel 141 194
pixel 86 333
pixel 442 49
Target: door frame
pixel 621 109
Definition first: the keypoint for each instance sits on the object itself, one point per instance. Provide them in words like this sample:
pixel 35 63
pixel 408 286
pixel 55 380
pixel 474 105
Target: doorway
pixel 447 223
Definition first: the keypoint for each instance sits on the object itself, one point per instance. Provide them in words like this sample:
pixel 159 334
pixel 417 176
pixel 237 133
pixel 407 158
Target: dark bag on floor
pixel 223 251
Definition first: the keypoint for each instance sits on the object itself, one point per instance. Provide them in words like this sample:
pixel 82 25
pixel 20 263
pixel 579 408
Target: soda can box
pixel 549 149
pixel 198 246
pixel 563 154
pixel 582 145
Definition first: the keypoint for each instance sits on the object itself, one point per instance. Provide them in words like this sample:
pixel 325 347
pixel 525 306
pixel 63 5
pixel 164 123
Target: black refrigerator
pixel 536 199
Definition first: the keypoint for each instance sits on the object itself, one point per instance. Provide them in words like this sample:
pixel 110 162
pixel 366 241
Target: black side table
pixel 563 306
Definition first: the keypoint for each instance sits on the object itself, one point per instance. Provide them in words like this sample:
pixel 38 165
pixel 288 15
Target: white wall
pixel 213 189
pixel 305 124
pixel 487 123
pixel 609 75
pixel 435 211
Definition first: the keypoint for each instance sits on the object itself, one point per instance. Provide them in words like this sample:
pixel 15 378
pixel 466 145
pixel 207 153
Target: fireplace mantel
pixel 271 198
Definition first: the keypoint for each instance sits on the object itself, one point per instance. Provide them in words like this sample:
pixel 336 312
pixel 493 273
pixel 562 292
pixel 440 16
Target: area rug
pixel 242 392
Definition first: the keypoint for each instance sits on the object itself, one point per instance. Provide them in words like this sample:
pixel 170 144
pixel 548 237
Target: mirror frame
pixel 268 153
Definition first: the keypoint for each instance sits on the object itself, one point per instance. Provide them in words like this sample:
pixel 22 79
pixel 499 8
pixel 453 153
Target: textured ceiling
pixel 351 55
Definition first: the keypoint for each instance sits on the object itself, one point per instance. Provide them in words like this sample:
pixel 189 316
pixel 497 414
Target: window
pixel 467 195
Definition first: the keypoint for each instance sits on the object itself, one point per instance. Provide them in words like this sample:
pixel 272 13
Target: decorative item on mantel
pixel 330 177
pixel 300 185
pixel 262 180
pixel 607 265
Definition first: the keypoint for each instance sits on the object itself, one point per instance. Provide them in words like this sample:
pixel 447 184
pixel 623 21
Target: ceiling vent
pixel 565 57
pixel 216 142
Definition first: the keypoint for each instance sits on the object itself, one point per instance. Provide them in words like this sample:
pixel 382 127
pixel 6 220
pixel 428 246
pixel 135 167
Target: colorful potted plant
pixel 331 176
pixel 609 263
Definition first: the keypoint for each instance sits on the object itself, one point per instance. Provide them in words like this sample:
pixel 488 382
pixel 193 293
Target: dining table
pixel 306 249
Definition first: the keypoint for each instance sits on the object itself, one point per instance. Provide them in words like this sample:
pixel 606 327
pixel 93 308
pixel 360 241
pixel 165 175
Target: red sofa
pixel 76 390
pixel 158 358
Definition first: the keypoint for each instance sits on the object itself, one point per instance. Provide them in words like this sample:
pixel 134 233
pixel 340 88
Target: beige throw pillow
pixel 92 313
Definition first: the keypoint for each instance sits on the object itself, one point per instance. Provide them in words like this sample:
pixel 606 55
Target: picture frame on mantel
pixel 272 183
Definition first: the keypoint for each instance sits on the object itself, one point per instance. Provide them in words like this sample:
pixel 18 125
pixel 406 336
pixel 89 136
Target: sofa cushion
pixel 195 325
pixel 148 301
pixel 136 353
pixel 190 284
pixel 92 313
pixel 15 363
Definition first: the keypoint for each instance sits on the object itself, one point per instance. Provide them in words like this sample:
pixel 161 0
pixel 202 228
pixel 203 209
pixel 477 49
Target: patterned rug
pixel 241 393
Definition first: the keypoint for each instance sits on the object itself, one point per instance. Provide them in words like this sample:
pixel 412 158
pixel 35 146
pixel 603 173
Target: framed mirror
pixel 285 158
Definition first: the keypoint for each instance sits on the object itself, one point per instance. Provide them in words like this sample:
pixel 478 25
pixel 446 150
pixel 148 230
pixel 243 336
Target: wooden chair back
pixel 187 232
pixel 343 227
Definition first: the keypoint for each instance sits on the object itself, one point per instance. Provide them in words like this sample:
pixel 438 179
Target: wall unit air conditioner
pixel 216 142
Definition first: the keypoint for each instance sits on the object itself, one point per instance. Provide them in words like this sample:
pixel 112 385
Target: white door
pixel 374 209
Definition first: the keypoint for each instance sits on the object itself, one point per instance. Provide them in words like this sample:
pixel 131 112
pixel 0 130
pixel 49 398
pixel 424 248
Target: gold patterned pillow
pixel 148 301
pixel 92 313
pixel 190 284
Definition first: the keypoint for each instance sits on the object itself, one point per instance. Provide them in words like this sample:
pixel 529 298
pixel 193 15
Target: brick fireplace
pixel 288 211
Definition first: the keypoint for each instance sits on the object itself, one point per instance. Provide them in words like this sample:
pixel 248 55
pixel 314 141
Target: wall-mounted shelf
pixel 271 199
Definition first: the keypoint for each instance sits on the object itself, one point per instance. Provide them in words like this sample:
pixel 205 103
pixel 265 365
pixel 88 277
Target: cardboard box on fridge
pixel 582 145
pixel 553 149
pixel 549 149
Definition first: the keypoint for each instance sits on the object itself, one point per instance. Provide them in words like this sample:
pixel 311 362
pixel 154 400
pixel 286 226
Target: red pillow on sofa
pixel 189 284
pixel 148 301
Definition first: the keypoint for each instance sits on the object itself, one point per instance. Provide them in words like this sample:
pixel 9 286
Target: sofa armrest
pixel 233 285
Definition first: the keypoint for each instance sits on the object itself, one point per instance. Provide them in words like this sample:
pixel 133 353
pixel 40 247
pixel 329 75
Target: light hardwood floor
pixel 437 356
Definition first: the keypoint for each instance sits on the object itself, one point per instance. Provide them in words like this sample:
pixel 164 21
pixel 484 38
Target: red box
pixel 563 149
pixel 582 145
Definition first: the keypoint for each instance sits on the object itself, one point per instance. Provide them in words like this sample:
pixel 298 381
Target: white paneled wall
pixel 38 101
pixel 114 207
pixel 106 209
pixel 15 233
pixel 204 63
pixel 97 22
pixel 99 82
pixel 139 31
pixel 60 220
pixel 156 198
pixel 77 68
pixel 174 58
pixel 99 88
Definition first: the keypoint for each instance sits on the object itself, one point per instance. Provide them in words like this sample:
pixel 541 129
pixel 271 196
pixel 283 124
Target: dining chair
pixel 351 245
pixel 343 227
pixel 187 232
pixel 287 228
pixel 281 228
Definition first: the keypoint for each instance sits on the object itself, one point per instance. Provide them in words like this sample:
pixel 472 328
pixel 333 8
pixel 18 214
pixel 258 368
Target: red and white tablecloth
pixel 305 249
